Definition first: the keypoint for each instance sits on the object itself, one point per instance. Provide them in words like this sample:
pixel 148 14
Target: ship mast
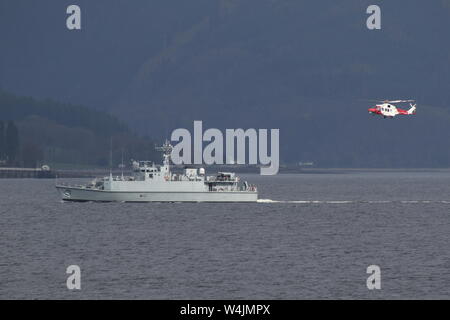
pixel 166 149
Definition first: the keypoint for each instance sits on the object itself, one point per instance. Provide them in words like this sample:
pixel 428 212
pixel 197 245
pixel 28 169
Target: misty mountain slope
pixel 261 54
pixel 301 66
pixel 266 68
pixel 42 58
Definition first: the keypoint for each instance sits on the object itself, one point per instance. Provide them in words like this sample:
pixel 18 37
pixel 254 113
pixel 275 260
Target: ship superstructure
pixel 150 182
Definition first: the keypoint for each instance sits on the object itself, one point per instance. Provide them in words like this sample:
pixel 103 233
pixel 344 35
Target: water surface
pixel 310 236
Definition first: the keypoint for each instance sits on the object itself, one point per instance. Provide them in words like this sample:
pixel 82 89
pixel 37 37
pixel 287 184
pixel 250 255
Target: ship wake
pixel 353 201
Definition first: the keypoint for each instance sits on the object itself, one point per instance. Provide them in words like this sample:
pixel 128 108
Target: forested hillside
pixel 35 132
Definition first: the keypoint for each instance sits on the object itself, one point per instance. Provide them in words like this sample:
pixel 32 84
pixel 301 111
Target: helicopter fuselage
pixel 388 110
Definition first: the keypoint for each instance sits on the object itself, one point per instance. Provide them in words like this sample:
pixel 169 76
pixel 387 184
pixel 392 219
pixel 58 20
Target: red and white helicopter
pixel 388 110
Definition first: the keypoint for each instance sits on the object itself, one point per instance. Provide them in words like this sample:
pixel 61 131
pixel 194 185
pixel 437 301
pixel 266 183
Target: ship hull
pixel 84 194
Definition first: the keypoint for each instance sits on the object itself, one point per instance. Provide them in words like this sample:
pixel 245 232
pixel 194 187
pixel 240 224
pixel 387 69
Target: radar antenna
pixel 166 149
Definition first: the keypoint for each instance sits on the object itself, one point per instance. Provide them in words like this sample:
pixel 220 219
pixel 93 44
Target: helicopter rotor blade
pixel 387 100
pixel 397 101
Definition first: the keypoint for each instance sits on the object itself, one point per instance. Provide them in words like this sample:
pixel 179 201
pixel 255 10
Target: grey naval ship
pixel 151 183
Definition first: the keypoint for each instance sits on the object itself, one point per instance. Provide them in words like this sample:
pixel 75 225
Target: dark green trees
pixel 9 143
pixel 2 142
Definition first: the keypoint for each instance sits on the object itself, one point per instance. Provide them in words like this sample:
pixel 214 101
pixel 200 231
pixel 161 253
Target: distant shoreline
pixel 96 172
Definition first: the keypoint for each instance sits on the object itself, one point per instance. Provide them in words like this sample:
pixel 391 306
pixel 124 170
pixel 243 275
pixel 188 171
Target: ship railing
pixel 215 179
pixel 65 184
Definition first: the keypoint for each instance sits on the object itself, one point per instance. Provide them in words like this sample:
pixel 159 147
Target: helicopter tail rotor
pixel 413 109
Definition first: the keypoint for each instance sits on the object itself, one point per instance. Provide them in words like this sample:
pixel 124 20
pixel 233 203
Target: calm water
pixel 312 237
